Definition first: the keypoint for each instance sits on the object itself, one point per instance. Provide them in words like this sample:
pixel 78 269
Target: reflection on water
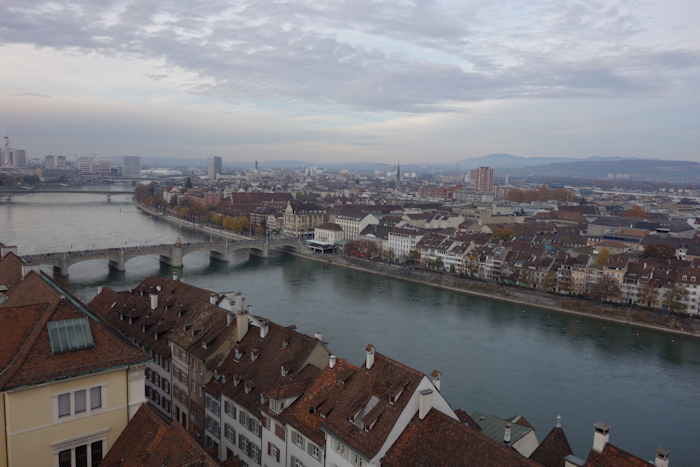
pixel 495 357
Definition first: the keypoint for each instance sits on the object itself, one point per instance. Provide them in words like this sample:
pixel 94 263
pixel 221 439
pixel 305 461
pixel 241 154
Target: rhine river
pixel 495 357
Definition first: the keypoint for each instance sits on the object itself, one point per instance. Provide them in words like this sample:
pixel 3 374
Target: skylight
pixel 69 335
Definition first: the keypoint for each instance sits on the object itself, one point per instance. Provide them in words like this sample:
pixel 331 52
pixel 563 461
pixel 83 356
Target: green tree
pixel 550 282
pixel 603 256
pixel 606 290
pixel 673 298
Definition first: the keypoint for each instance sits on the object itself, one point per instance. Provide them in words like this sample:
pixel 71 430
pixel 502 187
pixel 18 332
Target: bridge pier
pixel 174 260
pixel 219 257
pixel 60 272
pixel 117 265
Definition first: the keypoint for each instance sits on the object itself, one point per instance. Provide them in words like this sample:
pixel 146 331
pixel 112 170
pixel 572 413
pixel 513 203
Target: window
pixel 64 405
pixel 298 439
pixel 80 401
pixel 314 451
pixel 230 409
pixel 357 460
pixel 96 398
pixel 84 455
pixel 229 433
pixel 65 458
pixel 273 451
pixel 279 431
pixel 296 462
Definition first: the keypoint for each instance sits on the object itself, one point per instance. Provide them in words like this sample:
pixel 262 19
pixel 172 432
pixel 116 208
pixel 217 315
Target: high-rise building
pixel 102 167
pixel 60 162
pixel 85 165
pixel 481 179
pixel 12 157
pixel 214 167
pixel 132 166
pixel 50 162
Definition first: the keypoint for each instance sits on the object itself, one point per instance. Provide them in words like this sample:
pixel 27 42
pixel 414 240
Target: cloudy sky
pixel 351 80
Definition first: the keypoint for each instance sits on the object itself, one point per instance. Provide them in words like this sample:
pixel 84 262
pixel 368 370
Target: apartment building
pixel 268 369
pixel 352 221
pixel 69 383
pixel 184 328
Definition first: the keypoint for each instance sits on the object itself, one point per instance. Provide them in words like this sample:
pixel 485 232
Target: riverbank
pixel 572 305
pixel 631 316
pixel 225 234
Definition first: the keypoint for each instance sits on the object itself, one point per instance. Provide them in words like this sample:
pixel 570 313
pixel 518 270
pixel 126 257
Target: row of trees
pixel 543 193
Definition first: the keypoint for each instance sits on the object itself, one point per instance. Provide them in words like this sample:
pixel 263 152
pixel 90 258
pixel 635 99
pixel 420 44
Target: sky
pixel 351 80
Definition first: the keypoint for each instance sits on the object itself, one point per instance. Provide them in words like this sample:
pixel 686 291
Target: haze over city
pixel 351 81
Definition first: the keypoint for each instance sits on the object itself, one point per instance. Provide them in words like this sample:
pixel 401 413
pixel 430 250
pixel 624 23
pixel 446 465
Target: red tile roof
pixel 441 441
pixel 553 449
pixel 32 290
pixel 10 270
pixel 612 456
pixel 281 346
pixel 33 362
pixel 149 440
pixel 389 381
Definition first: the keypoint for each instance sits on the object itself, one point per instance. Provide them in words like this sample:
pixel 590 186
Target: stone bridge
pixel 169 254
pixel 7 195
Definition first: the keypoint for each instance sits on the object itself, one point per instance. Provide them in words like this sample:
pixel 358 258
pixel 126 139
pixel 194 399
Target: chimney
pixel 425 402
pixel 601 436
pixel 369 358
pixel 242 322
pixel 435 377
pixel 661 457
pixel 264 328
pixel 318 336
pixel 229 319
pixel 558 424
pixel 99 290
pixel 154 301
pixel 331 361
pixel 213 299
pixel 506 434
pixel 176 277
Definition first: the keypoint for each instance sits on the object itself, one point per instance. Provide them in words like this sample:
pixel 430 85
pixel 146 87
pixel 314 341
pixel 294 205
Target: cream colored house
pixel 68 383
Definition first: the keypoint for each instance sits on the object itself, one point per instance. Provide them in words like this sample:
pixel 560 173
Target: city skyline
pixel 351 81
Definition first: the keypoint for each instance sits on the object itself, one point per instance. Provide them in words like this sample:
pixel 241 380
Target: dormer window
pixel 276 405
pixel 237 354
pixel 254 354
pixel 285 343
pixel 284 370
pixel 236 380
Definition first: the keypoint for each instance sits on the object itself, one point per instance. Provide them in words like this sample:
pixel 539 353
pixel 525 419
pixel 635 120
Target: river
pixel 495 357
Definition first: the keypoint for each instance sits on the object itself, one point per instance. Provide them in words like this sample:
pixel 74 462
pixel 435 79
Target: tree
pixel 659 251
pixel 606 289
pixel 603 256
pixel 414 256
pixel 673 298
pixel 648 294
pixel 550 282
pixel 503 234
pixel 636 211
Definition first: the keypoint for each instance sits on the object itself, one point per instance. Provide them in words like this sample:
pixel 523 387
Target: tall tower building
pixel 481 179
pixel 398 174
pixel 214 167
pixel 132 166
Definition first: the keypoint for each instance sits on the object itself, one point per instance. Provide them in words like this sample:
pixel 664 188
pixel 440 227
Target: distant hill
pixel 509 161
pixel 611 168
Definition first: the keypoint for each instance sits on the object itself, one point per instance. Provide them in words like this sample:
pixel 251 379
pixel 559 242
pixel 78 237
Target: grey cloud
pixel 291 49
pixel 33 94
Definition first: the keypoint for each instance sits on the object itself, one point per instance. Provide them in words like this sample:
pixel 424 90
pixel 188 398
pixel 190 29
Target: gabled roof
pixel 440 441
pixel 388 385
pixel 28 354
pixel 259 368
pixel 10 270
pixel 149 440
pixel 612 456
pixel 308 412
pixel 32 289
pixel 553 449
